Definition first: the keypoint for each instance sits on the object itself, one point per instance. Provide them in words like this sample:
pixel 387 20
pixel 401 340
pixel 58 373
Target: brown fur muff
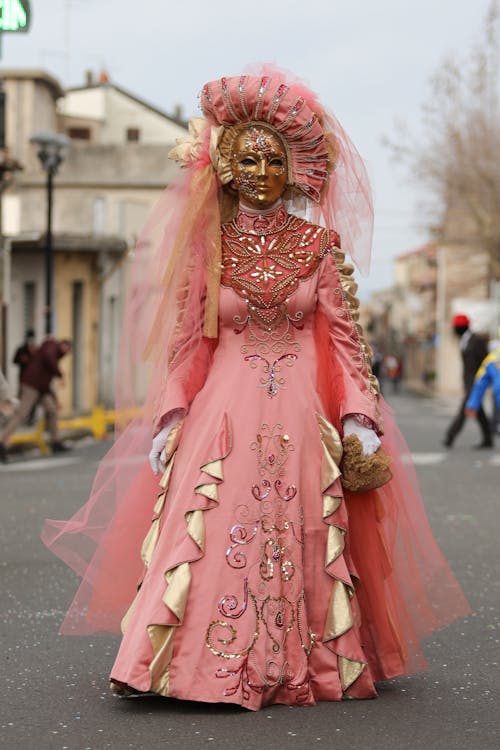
pixel 362 473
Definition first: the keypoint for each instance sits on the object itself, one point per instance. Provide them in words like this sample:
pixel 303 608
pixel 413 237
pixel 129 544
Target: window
pixel 133 135
pixel 29 300
pixel 99 215
pixel 78 343
pixel 79 134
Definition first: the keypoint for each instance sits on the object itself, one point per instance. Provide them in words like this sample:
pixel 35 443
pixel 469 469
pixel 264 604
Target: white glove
pixel 157 457
pixel 368 438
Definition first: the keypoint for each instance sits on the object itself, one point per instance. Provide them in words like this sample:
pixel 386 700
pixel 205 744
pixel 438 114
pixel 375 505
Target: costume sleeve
pixel 481 382
pixel 189 362
pixel 337 299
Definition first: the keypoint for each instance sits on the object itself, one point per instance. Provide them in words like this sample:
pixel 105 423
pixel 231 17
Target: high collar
pixel 261 221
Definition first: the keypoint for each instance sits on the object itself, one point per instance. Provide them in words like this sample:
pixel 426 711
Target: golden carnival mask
pixel 258 164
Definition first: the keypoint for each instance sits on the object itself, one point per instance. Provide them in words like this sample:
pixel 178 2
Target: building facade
pixel 112 174
pixel 413 319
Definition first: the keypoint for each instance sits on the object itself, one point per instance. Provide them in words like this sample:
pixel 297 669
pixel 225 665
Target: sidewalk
pixel 32 441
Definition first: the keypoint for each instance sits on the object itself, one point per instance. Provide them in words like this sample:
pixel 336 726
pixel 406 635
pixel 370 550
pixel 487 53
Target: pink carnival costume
pixel 260 580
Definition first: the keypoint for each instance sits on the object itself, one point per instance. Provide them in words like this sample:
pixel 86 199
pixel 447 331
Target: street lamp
pixel 51 147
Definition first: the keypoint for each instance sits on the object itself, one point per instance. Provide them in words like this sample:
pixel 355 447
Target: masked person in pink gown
pixel 286 561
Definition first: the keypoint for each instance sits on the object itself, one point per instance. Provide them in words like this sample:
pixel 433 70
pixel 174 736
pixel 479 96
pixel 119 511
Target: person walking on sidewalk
pixel 473 349
pixel 36 387
pixel 22 358
pixel 24 353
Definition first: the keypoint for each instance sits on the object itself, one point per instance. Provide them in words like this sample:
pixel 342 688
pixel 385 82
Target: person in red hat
pixel 473 349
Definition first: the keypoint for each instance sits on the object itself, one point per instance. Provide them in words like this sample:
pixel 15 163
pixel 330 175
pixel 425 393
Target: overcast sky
pixel 369 60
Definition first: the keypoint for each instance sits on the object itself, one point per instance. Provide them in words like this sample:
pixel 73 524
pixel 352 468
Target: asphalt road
pixel 54 690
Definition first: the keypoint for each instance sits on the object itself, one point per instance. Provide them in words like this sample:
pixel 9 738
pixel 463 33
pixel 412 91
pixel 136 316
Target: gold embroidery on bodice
pixel 264 259
pixel 265 268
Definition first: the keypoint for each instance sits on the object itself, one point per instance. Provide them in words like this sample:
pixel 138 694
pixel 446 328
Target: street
pixel 55 695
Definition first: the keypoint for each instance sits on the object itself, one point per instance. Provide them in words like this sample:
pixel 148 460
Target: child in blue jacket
pixel 487 375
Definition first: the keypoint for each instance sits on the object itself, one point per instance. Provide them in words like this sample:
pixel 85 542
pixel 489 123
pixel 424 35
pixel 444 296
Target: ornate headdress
pixel 236 102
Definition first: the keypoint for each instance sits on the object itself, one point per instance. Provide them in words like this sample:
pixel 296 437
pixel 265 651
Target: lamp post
pixel 51 147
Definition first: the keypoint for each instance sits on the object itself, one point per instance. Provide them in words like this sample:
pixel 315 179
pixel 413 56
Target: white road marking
pixel 432 459
pixel 428 459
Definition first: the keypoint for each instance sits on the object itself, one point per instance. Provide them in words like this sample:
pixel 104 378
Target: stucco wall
pixel 119 112
pixel 26 267
pixel 103 192
pixel 124 180
pixel 70 268
pixel 30 109
pixel 89 211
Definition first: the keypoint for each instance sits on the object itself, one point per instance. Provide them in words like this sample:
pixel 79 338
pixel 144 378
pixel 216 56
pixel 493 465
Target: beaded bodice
pixel 266 255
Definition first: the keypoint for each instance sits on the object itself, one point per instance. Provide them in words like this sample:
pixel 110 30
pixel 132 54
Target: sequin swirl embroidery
pixel 265 610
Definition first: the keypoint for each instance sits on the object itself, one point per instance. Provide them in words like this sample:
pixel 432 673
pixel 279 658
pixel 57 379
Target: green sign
pixel 14 15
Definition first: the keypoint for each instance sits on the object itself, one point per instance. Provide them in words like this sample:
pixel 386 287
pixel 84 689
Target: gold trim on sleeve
pixel 349 290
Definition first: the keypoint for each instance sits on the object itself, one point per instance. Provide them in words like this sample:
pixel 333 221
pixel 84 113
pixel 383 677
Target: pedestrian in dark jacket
pixel 36 381
pixel 22 358
pixel 25 352
pixel 474 349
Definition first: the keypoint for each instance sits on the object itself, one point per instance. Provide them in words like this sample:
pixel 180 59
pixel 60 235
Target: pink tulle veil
pixel 169 273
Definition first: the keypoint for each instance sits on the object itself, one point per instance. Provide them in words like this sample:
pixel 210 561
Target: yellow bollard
pixel 97 422
pixel 34 437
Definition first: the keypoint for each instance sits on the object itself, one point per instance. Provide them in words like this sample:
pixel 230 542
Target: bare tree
pixel 458 157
